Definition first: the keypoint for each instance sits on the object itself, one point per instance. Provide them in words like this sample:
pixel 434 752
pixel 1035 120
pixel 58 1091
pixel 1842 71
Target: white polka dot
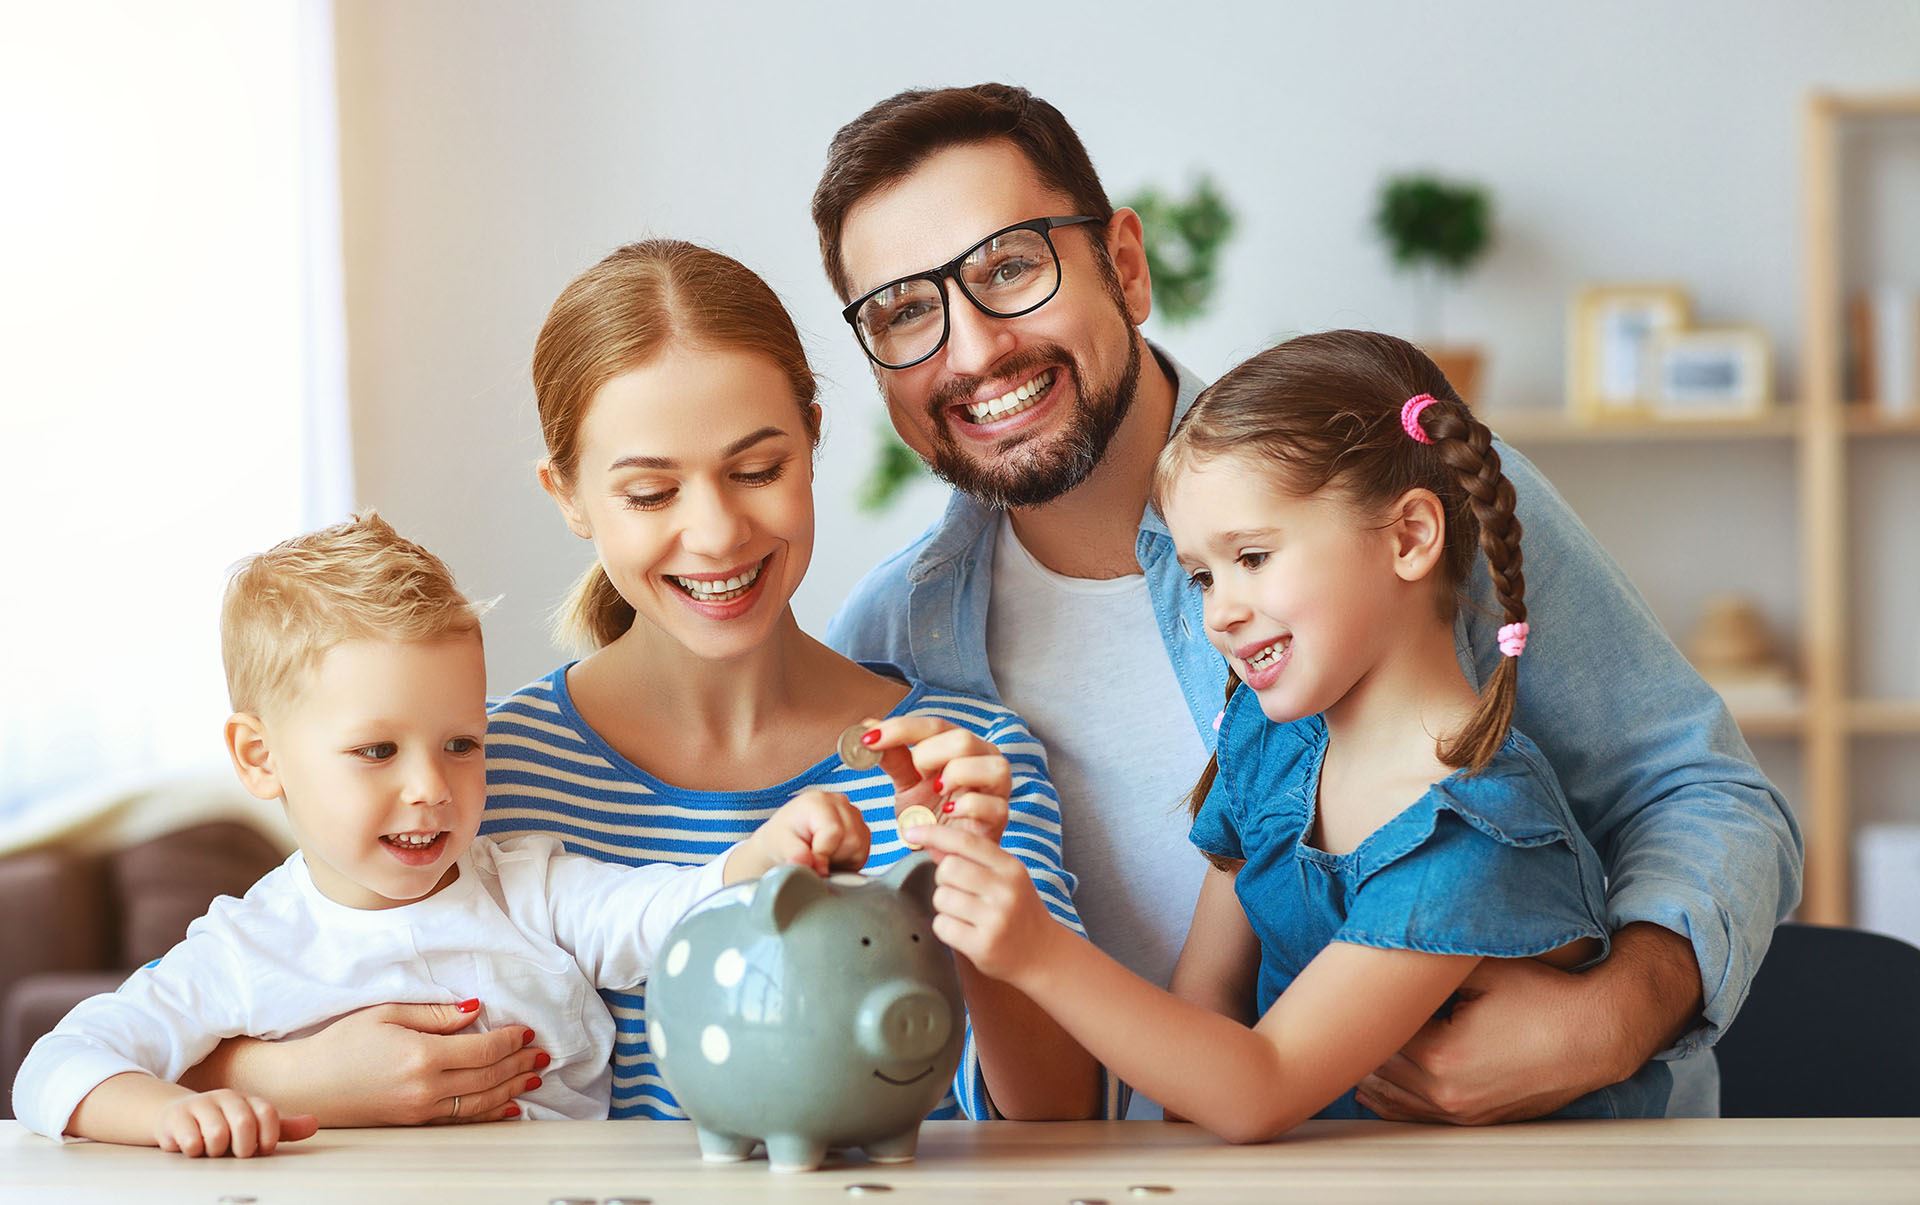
pixel 677 957
pixel 657 1038
pixel 714 1044
pixel 729 968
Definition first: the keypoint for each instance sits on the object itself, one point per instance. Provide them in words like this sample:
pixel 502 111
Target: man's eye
pixel 380 751
pixel 908 314
pixel 462 744
pixel 1010 271
pixel 1253 560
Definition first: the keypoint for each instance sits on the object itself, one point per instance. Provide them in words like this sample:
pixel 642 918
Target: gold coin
pixel 916 816
pixel 853 754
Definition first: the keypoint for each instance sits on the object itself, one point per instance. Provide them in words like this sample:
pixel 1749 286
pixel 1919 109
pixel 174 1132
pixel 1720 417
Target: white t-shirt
pixel 527 928
pixel 1082 662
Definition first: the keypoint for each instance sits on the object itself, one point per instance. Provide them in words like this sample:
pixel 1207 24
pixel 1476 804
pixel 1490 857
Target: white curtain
pixel 172 369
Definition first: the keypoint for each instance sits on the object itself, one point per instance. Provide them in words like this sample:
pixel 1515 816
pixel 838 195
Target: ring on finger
pixel 456 1108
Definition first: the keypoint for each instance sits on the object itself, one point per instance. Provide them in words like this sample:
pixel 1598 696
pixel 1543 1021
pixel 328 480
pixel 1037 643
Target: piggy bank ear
pixel 912 876
pixel 782 893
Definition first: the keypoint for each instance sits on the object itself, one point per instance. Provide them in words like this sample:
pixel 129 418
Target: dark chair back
pixel 1830 1029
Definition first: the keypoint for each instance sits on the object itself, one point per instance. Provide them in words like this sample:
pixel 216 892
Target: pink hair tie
pixel 1410 415
pixel 1513 640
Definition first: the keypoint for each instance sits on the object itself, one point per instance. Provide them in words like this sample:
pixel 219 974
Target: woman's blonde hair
pixel 360 579
pixel 617 316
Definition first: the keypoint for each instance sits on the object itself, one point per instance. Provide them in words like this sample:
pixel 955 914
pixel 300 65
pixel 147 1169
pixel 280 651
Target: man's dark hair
pixel 889 140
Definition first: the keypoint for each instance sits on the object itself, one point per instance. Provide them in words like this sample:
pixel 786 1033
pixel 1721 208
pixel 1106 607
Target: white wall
pixel 493 150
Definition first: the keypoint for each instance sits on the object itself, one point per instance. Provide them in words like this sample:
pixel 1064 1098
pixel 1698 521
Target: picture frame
pixel 1710 373
pixel 1609 330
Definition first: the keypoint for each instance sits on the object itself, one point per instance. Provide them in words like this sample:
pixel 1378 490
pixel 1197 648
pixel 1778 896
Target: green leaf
pixel 893 470
pixel 1184 238
pixel 1428 222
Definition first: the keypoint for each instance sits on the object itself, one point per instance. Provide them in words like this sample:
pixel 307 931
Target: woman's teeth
pixel 1009 404
pixel 721 591
pixel 1267 656
pixel 411 840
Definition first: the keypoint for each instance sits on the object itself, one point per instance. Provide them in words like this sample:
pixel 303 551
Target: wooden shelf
pixel 1863 418
pixel 1771 723
pixel 1884 717
pixel 1522 428
pixel 1883 104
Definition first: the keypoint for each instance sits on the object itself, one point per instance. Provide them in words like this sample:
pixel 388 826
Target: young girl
pixel 1374 825
pixel 680 424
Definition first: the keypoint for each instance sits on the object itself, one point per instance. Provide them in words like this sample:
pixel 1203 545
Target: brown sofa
pixel 73 925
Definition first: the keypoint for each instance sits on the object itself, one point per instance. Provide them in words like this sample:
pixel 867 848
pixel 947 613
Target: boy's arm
pixel 614 919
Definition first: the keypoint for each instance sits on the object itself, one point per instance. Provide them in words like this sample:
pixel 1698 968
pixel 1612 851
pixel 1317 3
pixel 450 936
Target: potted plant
pixel 1437 230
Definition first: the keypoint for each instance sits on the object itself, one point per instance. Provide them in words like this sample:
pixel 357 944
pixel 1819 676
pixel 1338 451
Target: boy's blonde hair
pixel 355 580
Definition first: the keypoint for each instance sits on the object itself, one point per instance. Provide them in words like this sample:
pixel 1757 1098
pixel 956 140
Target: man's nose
pixel 975 341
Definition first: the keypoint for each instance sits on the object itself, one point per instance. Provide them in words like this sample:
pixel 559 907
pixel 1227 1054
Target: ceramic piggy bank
pixel 809 1013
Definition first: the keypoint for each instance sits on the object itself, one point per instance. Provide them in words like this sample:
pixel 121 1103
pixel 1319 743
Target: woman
pixel 680 422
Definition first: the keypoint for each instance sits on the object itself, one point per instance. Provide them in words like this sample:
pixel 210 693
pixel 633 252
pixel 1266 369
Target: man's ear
pixel 561 491
pixel 252 759
pixel 1418 528
pixel 1126 242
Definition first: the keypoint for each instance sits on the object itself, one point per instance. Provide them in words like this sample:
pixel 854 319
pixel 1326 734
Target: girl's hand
pixel 985 905
pixel 821 829
pixel 224 1122
pixel 961 778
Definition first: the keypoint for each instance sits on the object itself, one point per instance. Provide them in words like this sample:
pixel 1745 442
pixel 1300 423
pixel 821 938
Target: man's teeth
pixel 413 840
pixel 1267 656
pixel 1009 404
pixel 722 591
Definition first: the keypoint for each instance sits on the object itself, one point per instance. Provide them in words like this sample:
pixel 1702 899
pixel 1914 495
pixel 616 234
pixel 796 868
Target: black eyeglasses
pixel 1010 272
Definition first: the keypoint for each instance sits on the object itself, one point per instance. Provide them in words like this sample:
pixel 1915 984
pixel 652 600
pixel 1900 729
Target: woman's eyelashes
pixel 654 501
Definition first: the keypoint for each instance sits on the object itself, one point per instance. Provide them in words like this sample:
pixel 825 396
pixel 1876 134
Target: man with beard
pixel 999 295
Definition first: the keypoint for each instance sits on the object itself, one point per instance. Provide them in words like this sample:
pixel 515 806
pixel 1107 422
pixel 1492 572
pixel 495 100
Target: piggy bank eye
pixel 866 941
pixel 916 937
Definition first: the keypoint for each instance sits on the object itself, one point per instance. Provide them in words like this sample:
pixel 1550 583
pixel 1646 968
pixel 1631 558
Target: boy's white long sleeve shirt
pixel 529 929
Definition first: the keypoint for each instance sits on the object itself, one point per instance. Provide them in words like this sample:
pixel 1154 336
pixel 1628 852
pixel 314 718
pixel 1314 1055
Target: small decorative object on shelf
pixel 1438 230
pixel 1735 653
pixel 1883 349
pixel 1709 373
pixel 1610 330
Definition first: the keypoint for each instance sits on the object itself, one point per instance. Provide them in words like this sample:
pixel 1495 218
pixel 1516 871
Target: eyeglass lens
pixel 1006 275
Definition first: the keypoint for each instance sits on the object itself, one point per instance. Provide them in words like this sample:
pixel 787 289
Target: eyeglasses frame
pixel 950 270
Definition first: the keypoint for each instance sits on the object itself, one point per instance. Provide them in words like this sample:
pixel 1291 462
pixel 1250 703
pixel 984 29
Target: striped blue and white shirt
pixel 550 774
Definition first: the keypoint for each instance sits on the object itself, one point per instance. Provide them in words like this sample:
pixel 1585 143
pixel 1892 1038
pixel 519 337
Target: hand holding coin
pixel 941 773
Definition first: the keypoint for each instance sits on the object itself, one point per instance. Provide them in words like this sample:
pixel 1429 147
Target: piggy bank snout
pixel 903 1021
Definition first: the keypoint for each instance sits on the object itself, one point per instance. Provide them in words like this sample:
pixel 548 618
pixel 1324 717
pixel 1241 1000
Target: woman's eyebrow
pixel 666 462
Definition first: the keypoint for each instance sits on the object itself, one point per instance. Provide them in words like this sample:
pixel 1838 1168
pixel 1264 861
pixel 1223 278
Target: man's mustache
pixel 962 389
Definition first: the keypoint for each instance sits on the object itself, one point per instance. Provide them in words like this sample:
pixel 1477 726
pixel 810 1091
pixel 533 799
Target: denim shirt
pixel 1489 864
pixel 1693 836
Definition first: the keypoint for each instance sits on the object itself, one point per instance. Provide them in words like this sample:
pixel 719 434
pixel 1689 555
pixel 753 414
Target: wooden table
pixel 1009 1163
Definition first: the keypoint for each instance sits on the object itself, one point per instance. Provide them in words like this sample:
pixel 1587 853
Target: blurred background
pixel 269 260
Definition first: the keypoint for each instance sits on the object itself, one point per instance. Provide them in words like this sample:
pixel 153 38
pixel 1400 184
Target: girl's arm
pixel 1347 1012
pixel 1220 962
pixel 135 1109
pixel 1034 1071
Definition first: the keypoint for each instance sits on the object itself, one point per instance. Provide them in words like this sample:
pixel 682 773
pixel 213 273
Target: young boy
pixel 358 685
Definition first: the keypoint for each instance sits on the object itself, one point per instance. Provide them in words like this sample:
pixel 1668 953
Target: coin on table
pixel 855 755
pixel 913 817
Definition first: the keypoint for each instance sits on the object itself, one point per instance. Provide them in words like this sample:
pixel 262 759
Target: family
pixel 1297 751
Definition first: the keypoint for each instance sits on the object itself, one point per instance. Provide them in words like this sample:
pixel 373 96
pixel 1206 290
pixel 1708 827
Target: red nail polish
pixel 533 1081
pixel 870 737
pixel 541 1060
pixel 468 1006
pixel 939 785
pixel 511 1111
pixel 947 806
pixel 528 1039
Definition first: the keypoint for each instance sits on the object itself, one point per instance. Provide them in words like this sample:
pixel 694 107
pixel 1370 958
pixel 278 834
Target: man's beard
pixel 1024 471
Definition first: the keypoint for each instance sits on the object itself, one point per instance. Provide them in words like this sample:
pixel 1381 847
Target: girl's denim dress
pixel 1489 864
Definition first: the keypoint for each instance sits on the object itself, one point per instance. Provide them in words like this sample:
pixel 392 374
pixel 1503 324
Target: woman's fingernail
pixel 939 785
pixel 947 806
pixel 541 1060
pixel 468 1006
pixel 533 1081
pixel 870 737
pixel 511 1111
pixel 527 1039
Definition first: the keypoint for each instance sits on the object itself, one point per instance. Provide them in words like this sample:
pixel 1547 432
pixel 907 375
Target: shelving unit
pixel 1823 427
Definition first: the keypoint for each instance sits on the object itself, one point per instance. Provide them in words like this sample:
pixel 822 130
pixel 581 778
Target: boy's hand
pixel 224 1122
pixel 985 905
pixel 962 778
pixel 820 829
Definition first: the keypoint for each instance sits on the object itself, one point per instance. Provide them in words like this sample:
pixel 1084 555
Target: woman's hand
pixel 392 1064
pixel 224 1122
pixel 984 904
pixel 821 829
pixel 962 778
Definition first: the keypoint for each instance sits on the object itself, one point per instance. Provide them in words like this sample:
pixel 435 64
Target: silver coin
pixel 861 1190
pixel 1149 1190
pixel 1088 1201
pixel 855 755
pixel 574 1201
pixel 628 1201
